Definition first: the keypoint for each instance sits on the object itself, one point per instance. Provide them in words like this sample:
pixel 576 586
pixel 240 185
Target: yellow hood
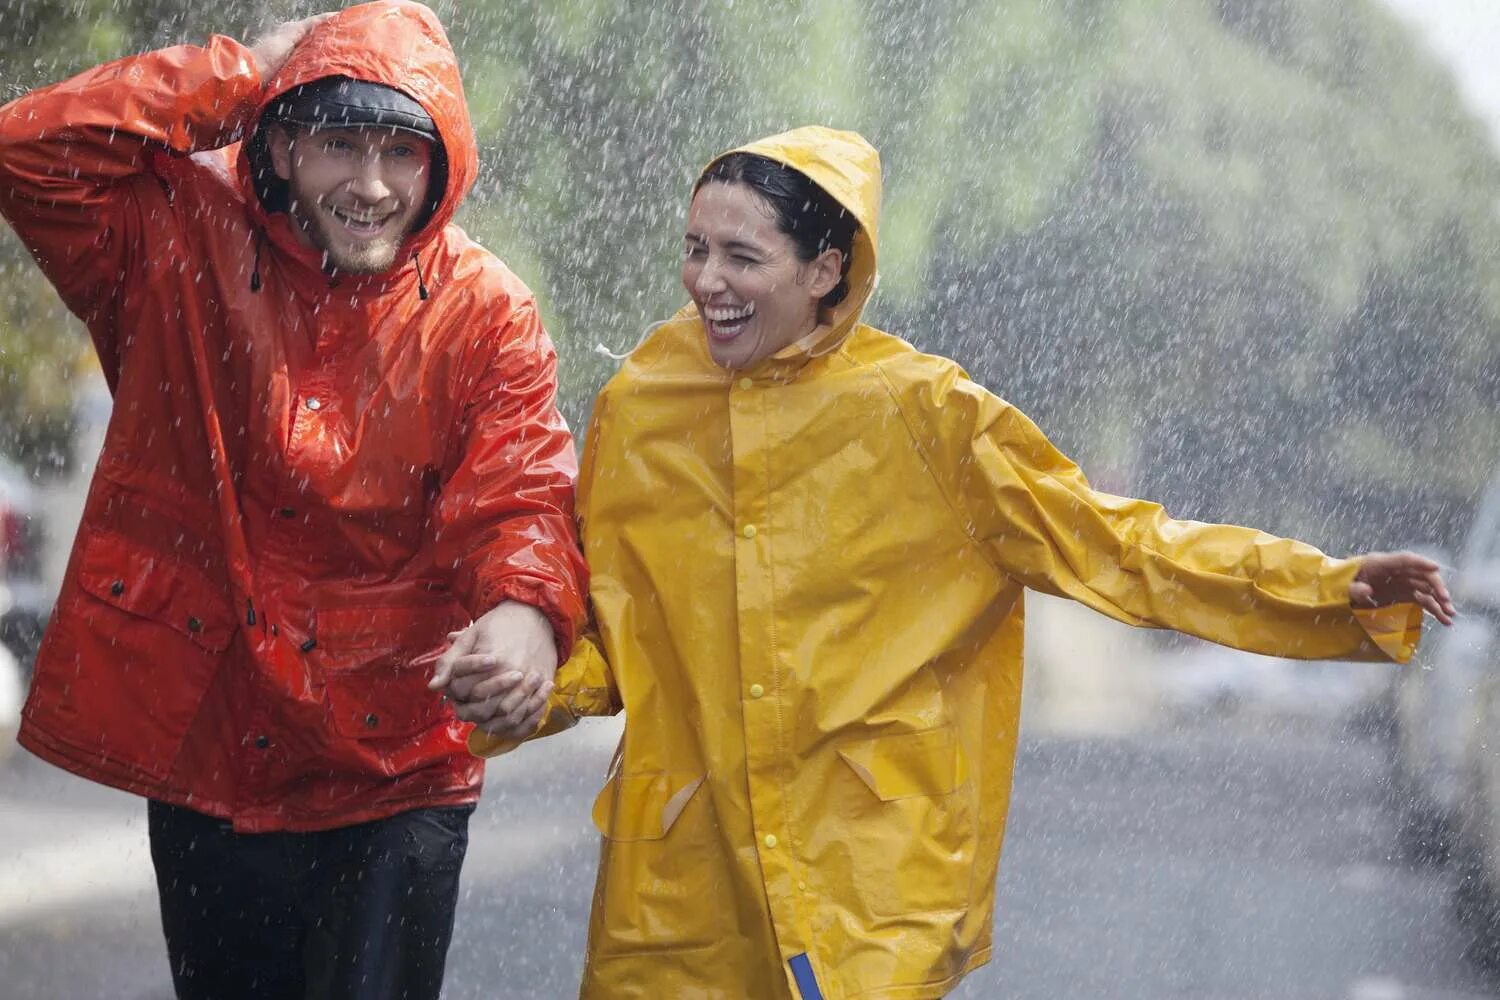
pixel 848 168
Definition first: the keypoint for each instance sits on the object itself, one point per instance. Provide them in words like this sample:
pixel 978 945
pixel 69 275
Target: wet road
pixel 1206 862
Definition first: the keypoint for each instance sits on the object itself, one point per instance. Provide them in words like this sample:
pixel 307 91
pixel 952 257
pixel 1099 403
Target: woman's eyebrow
pixel 692 237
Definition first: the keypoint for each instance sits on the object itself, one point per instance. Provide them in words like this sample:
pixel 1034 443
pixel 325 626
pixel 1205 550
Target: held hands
pixel 1401 577
pixel 499 671
pixel 278 41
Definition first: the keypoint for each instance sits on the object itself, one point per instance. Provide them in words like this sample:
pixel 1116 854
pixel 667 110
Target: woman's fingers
pixel 512 709
pixel 519 726
pixel 1386 578
pixel 514 701
pixel 479 712
pixel 495 686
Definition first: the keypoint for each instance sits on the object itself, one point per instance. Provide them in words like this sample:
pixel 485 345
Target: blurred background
pixel 1239 256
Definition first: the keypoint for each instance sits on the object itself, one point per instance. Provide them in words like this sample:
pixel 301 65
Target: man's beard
pixel 340 253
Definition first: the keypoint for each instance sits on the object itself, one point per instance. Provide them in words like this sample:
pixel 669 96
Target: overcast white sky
pixel 1466 35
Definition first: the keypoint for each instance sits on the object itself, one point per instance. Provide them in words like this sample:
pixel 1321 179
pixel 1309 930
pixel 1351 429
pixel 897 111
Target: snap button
pixel 771 840
pixel 194 625
pixel 749 531
pixel 308 646
pixel 746 383
pixel 801 886
pixel 372 720
pixel 756 691
pixel 314 403
pixel 117 588
pixel 262 741
pixel 287 512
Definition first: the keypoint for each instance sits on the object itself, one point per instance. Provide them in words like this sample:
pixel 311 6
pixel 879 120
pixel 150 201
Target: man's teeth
pixel 357 219
pixel 730 315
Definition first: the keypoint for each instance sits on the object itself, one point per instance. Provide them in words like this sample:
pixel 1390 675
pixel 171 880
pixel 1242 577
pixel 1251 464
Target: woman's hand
pixel 1401 577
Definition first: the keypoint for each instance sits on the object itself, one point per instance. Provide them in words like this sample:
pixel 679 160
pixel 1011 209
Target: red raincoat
pixel 306 482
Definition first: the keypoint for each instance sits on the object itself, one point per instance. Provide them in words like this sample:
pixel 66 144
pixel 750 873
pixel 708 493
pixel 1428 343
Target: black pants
pixel 364 912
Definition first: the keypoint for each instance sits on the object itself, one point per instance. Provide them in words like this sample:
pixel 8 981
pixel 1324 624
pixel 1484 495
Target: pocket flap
pixel 387 627
pixel 643 806
pixel 928 763
pixel 376 662
pixel 142 582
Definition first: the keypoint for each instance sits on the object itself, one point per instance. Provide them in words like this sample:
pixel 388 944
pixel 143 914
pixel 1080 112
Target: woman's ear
pixel 279 144
pixel 825 271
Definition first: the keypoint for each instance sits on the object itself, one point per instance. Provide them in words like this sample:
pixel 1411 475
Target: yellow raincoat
pixel 807 582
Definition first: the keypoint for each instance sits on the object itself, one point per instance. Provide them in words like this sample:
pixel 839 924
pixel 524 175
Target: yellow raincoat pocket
pixel 659 829
pixel 643 806
pixel 908 804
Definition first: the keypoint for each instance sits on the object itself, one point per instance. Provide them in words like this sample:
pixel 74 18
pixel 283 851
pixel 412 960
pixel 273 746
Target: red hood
pixel 400 44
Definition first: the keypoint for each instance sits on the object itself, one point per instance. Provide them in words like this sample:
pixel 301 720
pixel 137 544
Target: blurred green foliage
pixel 1238 255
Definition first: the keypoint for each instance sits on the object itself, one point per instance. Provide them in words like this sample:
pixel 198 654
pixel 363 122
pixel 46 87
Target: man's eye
pixel 335 146
pixel 745 259
pixel 401 151
pixel 693 250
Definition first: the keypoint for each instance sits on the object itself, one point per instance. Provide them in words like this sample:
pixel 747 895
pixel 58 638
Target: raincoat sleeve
pixel 585 684
pixel 1040 523
pixel 504 516
pixel 83 166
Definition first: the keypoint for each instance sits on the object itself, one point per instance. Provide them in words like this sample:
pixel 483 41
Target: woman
pixel 809 545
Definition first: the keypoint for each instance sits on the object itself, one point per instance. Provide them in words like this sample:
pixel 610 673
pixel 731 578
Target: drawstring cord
pixel 260 236
pixel 601 349
pixel 421 285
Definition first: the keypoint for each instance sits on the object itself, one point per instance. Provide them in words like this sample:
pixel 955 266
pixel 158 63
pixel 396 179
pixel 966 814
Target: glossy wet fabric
pixel 306 482
pixel 808 583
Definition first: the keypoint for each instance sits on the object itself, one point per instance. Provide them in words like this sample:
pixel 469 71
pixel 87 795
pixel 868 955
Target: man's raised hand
pixel 278 41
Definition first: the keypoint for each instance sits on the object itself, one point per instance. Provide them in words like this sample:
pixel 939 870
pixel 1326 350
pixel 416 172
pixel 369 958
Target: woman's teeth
pixel 725 322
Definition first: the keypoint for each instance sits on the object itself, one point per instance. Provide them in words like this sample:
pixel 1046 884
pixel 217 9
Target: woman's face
pixel 754 294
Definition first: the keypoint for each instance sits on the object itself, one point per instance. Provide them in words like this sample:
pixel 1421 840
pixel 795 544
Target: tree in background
pixel 1216 247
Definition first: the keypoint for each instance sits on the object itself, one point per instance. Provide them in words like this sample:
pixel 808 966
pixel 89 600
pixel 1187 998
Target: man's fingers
pixel 461 643
pixel 468 665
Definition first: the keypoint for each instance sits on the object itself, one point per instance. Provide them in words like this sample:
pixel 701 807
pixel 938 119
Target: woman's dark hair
pixel 813 219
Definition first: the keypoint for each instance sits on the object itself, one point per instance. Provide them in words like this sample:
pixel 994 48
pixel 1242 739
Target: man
pixel 334 440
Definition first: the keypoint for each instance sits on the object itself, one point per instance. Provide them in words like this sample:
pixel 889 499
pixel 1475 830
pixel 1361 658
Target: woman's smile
pixel 728 322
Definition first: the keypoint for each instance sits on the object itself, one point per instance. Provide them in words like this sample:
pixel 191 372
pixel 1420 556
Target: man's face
pixel 355 192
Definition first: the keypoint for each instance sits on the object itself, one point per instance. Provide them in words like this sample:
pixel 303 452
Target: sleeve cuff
pixel 556 719
pixel 564 629
pixel 1394 629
